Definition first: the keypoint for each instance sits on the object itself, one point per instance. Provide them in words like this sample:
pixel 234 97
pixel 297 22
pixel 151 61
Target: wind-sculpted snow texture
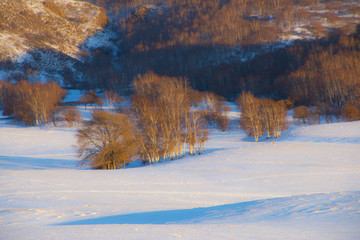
pixel 306 185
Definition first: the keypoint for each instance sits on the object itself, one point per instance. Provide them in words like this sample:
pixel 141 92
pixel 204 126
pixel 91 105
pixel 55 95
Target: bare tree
pixel 315 115
pixel 90 98
pixel 195 124
pixel 148 123
pixel 251 119
pixel 71 115
pixel 350 112
pixel 202 137
pixel 268 114
pixel 107 141
pixel 301 113
pixel 112 98
pixel 280 115
pixel 215 110
pixel 326 111
pixel 3 85
pixel 274 117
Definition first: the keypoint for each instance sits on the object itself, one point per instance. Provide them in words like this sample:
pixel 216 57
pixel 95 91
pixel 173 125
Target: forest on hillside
pixel 232 46
pixel 226 47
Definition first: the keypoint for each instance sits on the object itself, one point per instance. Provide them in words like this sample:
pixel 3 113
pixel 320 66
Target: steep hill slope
pixel 28 25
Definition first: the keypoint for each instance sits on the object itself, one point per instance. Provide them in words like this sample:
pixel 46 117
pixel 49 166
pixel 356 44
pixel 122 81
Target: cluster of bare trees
pixel 162 109
pixel 31 103
pixel 327 79
pixel 159 125
pixel 313 115
pixel 214 109
pixel 335 80
pixel 301 114
pixel 262 116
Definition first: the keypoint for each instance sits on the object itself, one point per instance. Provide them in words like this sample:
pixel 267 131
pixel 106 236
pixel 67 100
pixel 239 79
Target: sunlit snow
pixel 306 185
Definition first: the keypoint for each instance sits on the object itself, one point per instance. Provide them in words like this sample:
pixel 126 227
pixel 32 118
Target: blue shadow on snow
pixel 251 211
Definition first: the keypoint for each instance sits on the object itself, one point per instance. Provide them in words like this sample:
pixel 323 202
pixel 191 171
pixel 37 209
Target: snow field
pixel 306 185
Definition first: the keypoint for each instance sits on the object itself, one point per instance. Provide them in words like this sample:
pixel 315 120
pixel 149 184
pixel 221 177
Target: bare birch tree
pixel 112 98
pixel 251 119
pixel 162 106
pixel 32 103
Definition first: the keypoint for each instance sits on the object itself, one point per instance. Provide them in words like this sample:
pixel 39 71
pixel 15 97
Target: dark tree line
pixel 211 44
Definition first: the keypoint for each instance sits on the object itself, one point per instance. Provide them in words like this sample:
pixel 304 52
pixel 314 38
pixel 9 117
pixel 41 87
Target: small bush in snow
pixel 71 115
pixel 107 141
pixel 301 113
pixel 350 112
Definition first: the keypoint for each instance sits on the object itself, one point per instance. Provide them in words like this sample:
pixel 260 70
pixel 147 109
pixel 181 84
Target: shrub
pixel 350 112
pixel 71 115
pixel 107 141
pixel 90 98
pixel 301 113
pixel 112 98
pixel 215 110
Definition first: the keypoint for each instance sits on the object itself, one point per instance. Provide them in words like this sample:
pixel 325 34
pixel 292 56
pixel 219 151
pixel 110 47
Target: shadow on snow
pixel 26 163
pixel 251 211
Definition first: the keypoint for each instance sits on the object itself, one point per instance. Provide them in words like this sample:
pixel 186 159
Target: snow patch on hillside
pixel 103 39
pixel 16 46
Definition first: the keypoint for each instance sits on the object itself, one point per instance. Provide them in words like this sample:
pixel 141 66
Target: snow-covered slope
pixel 306 185
pixel 28 25
pixel 42 40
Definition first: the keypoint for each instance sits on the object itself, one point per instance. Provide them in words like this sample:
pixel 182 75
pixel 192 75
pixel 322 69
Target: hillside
pixel 300 50
pixel 28 25
pixel 230 46
pixel 178 69
pixel 165 24
pixel 41 40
